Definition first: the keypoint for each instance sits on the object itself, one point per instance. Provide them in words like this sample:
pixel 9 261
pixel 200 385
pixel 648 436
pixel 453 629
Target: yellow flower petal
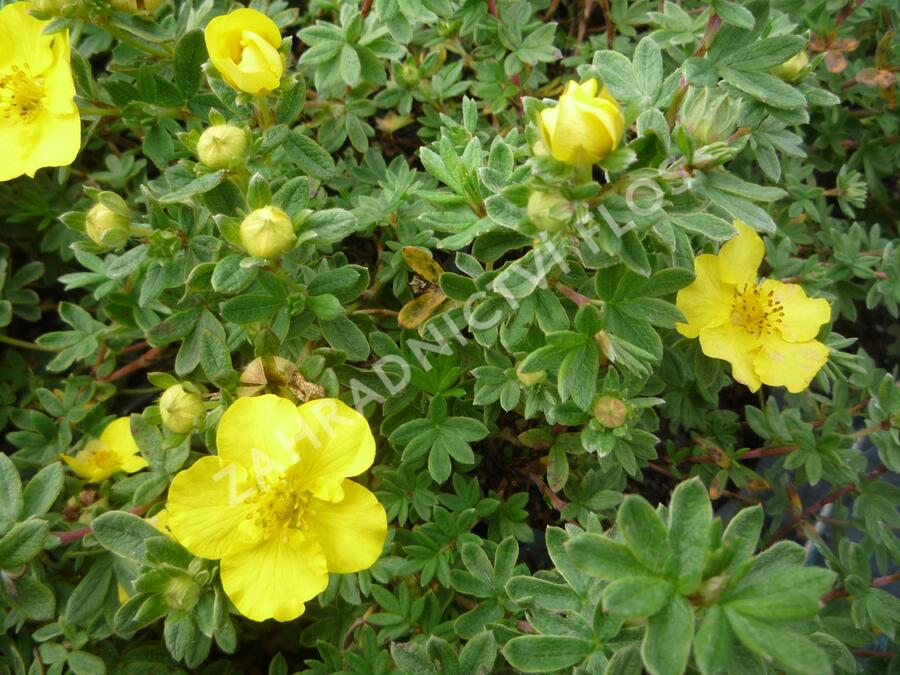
pixel 706 302
pixel 117 438
pixel 352 531
pixel 85 468
pixel 133 463
pixel 260 433
pixel 803 316
pixel 275 578
pixel 336 443
pixel 741 256
pixel 21 36
pixel 789 364
pixel 729 343
pixel 583 127
pixel 207 508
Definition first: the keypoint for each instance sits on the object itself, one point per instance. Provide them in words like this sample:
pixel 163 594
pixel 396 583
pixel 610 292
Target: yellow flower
pixel 275 504
pixel 584 127
pixel 766 330
pixel 243 46
pixel 114 451
pixel 39 122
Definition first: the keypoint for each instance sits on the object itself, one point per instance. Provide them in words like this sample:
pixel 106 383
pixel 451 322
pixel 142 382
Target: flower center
pixel 103 458
pixel 20 96
pixel 282 504
pixel 755 311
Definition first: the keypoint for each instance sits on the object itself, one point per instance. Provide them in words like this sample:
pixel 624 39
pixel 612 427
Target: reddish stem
pixel 142 361
pixel 876 583
pixel 68 537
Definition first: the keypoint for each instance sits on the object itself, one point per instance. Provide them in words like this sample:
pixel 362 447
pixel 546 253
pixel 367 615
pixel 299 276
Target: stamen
pixel 20 96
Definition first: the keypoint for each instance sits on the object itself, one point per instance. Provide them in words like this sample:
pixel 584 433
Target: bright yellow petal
pixel 59 87
pixel 83 467
pixel 117 438
pixel 789 364
pixel 351 531
pixel 207 507
pixel 729 343
pixel 21 39
pixel 246 35
pixel 275 578
pixel 579 137
pixel 260 433
pixel 336 443
pixel 803 316
pixel 740 257
pixel 13 160
pixel 706 302
pixel 133 463
pixel 50 140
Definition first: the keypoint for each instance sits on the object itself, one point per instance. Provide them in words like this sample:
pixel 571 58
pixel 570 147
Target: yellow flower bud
pixel 530 379
pixel 549 211
pixel 107 222
pixel 584 127
pixel 610 411
pixel 267 232
pixel 180 409
pixel 222 146
pixel 794 68
pixel 50 7
pixel 243 46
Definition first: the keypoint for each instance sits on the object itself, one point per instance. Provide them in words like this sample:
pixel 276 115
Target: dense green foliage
pixel 570 484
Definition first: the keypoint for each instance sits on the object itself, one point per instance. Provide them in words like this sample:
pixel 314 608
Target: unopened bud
pixel 136 6
pixel 267 232
pixel 409 73
pixel 222 146
pixel 49 7
pixel 108 220
pixel 794 68
pixel 180 409
pixel 181 593
pixel 530 379
pixel 709 117
pixel 610 411
pixel 549 211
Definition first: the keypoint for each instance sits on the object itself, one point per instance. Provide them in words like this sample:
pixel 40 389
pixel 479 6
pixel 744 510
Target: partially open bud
pixel 108 220
pixel 267 232
pixel 222 146
pixel 794 68
pixel 180 410
pixel 530 379
pixel 549 211
pixel 49 7
pixel 409 73
pixel 610 411
pixel 709 117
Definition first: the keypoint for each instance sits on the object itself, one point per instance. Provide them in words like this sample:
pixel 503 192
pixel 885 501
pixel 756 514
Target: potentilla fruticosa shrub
pixel 444 336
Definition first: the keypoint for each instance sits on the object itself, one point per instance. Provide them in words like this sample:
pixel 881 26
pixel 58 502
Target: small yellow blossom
pixel 765 330
pixel 39 122
pixel 114 451
pixel 584 126
pixel 243 46
pixel 275 504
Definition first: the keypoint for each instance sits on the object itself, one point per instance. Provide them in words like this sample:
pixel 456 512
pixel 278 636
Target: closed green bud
pixel 180 409
pixel 108 220
pixel 610 411
pixel 222 146
pixel 267 232
pixel 181 592
pixel 530 379
pixel 709 117
pixel 549 211
pixel 794 68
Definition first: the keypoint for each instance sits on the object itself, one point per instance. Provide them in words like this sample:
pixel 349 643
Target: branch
pixel 69 537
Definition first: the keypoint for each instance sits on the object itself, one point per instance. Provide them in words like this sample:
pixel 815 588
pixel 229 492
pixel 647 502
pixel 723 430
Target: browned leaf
pixel 845 44
pixel 422 263
pixel 419 309
pixel 876 78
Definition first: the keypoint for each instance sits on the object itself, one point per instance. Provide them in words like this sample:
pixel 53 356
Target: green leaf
pixel 637 597
pixel 87 599
pixel 742 534
pixel 542 653
pixel 478 655
pixel 22 543
pixel 712 645
pixel 764 87
pixel 124 534
pixel 790 650
pixel 330 226
pixel 250 308
pixel 667 642
pixel 545 593
pixel 706 224
pixel 85 663
pixel 734 13
pixel 43 489
pixel 411 658
pixel 603 558
pixel 312 158
pixel 645 534
pixel 350 66
pixel 765 54
pixel 648 67
pixel 190 53
pixel 690 518
pixel 10 493
pixel 341 333
pixel 196 187
pixel 626 661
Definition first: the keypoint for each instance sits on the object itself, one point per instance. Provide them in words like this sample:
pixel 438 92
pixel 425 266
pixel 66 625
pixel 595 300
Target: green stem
pixel 584 173
pixel 22 344
pixel 129 39
pixel 88 111
pixel 262 107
